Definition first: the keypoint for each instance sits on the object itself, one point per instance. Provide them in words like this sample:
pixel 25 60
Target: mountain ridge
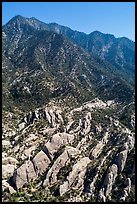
pixel 36 19
pixel 117 51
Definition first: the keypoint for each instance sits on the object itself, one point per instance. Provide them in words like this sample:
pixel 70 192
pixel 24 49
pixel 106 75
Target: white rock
pixel 77 173
pixel 60 162
pixel 24 174
pixel 110 179
pixel 97 150
pixel 21 126
pixel 9 160
pixel 5 185
pixel 7 170
pixel 5 143
pixel 57 141
pixel 121 160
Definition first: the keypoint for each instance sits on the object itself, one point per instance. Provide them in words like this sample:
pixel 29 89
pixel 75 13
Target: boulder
pixel 64 188
pixel 47 116
pixel 60 162
pixel 7 170
pixel 11 133
pixel 21 126
pixel 101 196
pixel 131 142
pixel 28 152
pixel 30 171
pixel 31 137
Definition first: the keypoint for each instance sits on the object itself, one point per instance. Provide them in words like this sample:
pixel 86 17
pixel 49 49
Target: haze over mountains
pixel 67 93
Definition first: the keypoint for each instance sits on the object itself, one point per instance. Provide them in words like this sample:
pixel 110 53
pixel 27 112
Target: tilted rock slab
pixel 24 174
pixel 108 182
pixel 41 162
pixel 60 162
pixel 77 173
pixel 121 160
pixel 30 170
pixel 97 150
pixel 57 141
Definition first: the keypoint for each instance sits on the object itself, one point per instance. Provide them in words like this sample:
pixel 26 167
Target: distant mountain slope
pixel 120 52
pixel 48 65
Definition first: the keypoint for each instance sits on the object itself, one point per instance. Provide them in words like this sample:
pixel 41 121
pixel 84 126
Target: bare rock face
pixel 64 188
pixel 30 171
pixel 110 178
pixel 20 176
pixel 60 162
pixel 121 160
pixel 108 182
pixel 41 162
pixel 76 175
pixel 97 150
pixel 133 120
pixel 101 196
pixel 57 141
pixel 24 174
pixel 87 123
pixel 131 142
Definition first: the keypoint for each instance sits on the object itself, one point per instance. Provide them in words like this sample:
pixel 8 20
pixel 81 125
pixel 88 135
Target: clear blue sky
pixel 117 18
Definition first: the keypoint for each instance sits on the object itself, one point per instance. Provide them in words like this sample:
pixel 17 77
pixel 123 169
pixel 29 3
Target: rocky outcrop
pixel 57 141
pixel 132 120
pixel 7 170
pixel 127 189
pixel 6 185
pixel 40 162
pixel 53 116
pixel 121 160
pixel 24 174
pixel 108 182
pixel 67 167
pixel 76 176
pixel 60 162
pixel 98 169
pixel 96 150
pixel 21 126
